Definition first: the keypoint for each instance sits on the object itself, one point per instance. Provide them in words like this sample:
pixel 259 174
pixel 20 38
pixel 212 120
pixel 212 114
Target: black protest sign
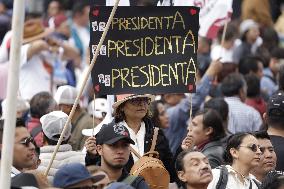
pixel 146 50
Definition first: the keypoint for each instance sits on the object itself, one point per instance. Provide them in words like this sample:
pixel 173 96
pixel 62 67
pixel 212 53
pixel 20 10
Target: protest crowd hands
pixel 187 143
pixel 214 68
pixel 90 145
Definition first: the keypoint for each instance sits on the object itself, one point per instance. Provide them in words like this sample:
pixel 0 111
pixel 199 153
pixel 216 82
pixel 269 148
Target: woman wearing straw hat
pixel 133 112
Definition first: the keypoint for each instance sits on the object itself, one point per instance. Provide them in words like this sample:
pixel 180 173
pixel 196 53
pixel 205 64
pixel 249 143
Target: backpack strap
pixel 129 179
pixel 154 141
pixel 271 78
pixel 223 179
pixel 36 130
pixel 256 183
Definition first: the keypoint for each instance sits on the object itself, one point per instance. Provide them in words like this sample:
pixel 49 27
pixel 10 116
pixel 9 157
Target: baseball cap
pixel 24 180
pixel 73 173
pixel 66 95
pixel 53 124
pixel 275 106
pixel 113 132
pixel 100 107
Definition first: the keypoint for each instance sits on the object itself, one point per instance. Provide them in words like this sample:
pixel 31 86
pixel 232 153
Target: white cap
pixel 100 107
pixel 22 105
pixel 65 95
pixel 246 25
pixel 53 124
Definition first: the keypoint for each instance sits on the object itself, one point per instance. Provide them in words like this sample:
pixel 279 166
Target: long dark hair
pixel 155 112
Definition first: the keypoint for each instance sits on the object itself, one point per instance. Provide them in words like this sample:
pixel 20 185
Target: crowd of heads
pixel 234 121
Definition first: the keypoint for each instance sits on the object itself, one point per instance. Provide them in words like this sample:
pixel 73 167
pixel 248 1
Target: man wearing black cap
pixel 113 145
pixel 274 117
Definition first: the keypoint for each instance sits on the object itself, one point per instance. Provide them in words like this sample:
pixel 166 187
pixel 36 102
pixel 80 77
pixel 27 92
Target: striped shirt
pixel 242 118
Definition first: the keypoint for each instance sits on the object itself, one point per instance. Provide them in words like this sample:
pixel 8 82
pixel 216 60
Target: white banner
pixel 213 14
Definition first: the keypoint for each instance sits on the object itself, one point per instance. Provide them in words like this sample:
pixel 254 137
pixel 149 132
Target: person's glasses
pixel 27 141
pixel 254 148
pixel 137 101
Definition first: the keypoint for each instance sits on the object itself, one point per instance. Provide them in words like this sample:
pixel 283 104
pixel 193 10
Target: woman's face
pixel 197 131
pixel 136 108
pixel 248 153
pixel 163 116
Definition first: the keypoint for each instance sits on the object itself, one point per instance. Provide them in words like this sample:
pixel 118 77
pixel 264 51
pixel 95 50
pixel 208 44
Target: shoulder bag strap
pixel 36 130
pixel 129 179
pixel 154 141
pixel 223 180
pixel 134 152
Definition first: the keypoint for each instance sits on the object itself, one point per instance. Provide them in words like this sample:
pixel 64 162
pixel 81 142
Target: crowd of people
pixel 228 134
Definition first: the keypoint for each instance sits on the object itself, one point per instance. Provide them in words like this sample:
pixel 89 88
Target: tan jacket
pixel 81 120
pixel 258 10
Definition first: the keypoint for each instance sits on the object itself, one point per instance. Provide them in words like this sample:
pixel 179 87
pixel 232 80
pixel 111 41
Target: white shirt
pixel 233 180
pixel 138 138
pixel 34 77
pixel 225 54
pixel 14 171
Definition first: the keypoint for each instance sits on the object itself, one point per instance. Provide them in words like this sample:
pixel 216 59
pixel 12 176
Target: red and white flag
pixel 213 14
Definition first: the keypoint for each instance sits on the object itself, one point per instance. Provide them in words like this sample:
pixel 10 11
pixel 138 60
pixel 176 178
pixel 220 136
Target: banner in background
pixel 213 14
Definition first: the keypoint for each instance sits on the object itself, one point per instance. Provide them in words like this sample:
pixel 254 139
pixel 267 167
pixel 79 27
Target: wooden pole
pixel 83 85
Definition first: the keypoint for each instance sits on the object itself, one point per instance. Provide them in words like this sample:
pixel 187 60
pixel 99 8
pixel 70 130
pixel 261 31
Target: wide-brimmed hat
pixel 124 97
pixel 34 30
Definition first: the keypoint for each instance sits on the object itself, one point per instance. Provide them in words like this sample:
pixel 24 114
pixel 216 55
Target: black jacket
pixel 138 183
pixel 162 146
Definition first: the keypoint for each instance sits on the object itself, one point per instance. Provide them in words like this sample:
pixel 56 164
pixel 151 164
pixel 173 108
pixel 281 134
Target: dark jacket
pixel 213 150
pixel 138 183
pixel 162 146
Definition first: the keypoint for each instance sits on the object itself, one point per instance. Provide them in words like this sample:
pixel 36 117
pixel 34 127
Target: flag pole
pixel 13 85
pixel 83 85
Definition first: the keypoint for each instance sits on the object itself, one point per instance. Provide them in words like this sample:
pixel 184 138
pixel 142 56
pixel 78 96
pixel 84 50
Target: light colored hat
pixel 53 124
pixel 66 95
pixel 246 25
pixel 22 105
pixel 100 107
pixel 124 97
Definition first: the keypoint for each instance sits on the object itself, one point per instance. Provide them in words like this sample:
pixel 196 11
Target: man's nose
pixel 31 146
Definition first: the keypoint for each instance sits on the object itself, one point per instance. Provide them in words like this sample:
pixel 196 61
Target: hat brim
pixel 95 179
pixel 118 103
pixel 114 140
pixel 47 31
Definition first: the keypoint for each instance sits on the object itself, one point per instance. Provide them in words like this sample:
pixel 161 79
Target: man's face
pixel 197 171
pixel 115 155
pixel 23 153
pixel 268 158
pixel 65 108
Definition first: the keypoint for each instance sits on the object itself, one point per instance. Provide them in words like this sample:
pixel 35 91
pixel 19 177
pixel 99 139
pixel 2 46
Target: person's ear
pixel 181 176
pixel 100 149
pixel 265 117
pixel 234 153
pixel 208 131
